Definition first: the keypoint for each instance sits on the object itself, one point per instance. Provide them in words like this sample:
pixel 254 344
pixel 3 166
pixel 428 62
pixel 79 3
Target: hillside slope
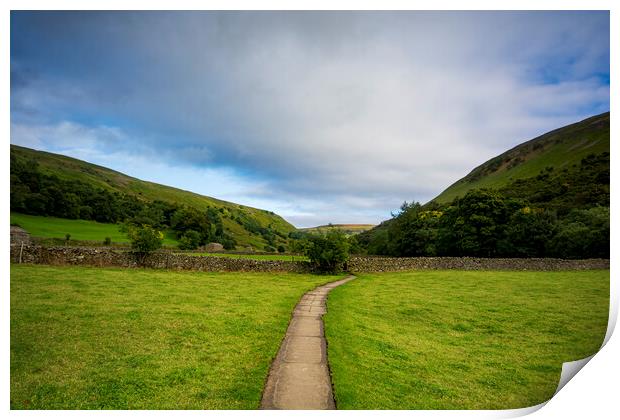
pixel 349 229
pixel 236 218
pixel 559 180
pixel 557 149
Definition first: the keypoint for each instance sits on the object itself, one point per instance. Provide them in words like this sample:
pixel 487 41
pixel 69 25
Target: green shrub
pixel 584 234
pixel 107 241
pixel 528 233
pixel 144 239
pixel 281 249
pixel 228 243
pixel 328 253
pixel 189 240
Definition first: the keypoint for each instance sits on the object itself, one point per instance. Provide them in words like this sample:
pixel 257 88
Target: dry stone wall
pixel 107 257
pixel 386 264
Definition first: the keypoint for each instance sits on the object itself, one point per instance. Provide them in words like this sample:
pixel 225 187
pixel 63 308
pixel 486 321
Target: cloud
pixel 347 113
pixel 104 145
pixel 66 136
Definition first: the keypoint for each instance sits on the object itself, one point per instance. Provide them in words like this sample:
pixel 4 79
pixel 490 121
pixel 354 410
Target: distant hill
pixel 247 225
pixel 349 229
pixel 558 149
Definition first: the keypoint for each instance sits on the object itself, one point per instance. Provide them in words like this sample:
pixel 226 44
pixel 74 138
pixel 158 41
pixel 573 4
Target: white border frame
pixel 592 393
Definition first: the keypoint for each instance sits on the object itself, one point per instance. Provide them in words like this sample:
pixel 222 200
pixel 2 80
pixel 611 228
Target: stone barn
pixel 214 247
pixel 19 235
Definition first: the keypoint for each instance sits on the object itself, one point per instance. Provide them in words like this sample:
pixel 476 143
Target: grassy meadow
pixel 461 340
pixel 80 230
pixel 86 338
pixel 91 338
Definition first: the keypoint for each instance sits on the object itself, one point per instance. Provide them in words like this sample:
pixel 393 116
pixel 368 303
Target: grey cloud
pixel 352 108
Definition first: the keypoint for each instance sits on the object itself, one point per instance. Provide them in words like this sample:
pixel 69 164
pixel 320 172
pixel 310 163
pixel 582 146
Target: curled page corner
pixel 613 317
pixel 519 412
pixel 569 370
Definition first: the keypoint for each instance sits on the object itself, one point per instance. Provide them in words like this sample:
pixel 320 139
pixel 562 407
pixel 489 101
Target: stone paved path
pixel 299 377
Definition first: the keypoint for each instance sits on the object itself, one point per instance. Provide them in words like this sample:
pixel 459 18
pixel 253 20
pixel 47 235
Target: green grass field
pixel 264 257
pixel 80 230
pixel 85 338
pixel 461 340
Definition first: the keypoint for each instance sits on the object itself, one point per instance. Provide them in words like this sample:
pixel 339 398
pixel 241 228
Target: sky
pixel 321 117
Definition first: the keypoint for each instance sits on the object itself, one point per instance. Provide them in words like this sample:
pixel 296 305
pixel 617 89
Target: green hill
pixel 349 228
pixel 559 149
pixel 248 226
pixel 546 197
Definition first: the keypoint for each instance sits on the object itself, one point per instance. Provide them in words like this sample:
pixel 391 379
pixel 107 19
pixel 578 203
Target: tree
pixel 583 234
pixel 70 206
pixel 144 239
pixel 328 253
pixel 354 245
pixel 189 240
pixel 19 194
pixel 149 215
pixel 528 233
pixel 228 242
pixel 208 224
pixel 298 246
pixel 413 232
pixel 375 241
pixel 475 224
pixel 35 203
pixel 85 212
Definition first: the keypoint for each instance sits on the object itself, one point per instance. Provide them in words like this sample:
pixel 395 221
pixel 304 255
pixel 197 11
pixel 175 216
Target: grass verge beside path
pixel 87 338
pixel 461 340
